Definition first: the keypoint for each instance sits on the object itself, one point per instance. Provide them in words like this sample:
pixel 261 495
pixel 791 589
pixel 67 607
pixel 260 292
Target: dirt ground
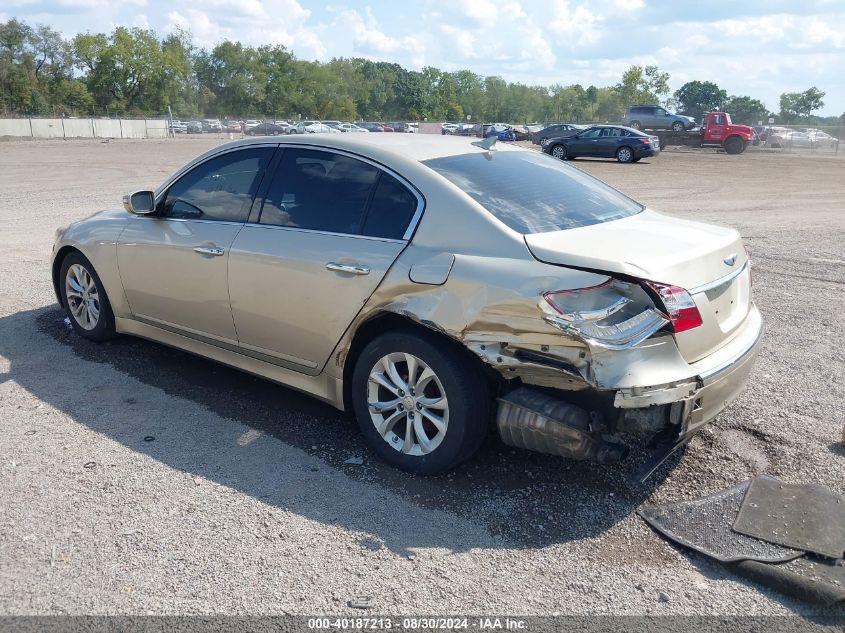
pixel 138 479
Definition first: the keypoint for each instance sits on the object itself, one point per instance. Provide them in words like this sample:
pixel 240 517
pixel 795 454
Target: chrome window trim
pixel 406 237
pixel 719 282
pixel 415 218
pixel 277 227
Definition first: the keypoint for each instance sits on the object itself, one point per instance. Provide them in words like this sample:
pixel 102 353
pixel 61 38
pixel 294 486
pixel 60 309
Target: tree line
pixel 131 71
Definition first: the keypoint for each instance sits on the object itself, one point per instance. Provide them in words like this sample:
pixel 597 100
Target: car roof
pixel 392 150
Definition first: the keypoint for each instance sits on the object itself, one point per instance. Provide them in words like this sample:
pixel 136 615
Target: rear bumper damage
pixel 547 421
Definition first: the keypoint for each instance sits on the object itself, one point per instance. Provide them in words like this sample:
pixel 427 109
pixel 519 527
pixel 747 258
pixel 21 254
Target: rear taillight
pixel 679 305
pixel 609 315
pixel 646 140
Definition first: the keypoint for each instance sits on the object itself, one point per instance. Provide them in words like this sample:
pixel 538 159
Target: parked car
pixel 500 131
pixel 193 127
pixel 556 129
pixel 413 128
pixel 530 293
pixel 178 127
pixel 233 126
pixel 449 128
pixel 251 123
pixel 399 126
pixel 266 129
pixel 387 127
pixel 351 127
pixel 822 138
pixel 371 127
pixel 520 132
pixel 653 117
pixel 625 144
pixel 314 127
pixel 212 125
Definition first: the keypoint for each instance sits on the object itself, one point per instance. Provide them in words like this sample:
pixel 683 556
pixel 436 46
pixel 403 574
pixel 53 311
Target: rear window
pixel 532 192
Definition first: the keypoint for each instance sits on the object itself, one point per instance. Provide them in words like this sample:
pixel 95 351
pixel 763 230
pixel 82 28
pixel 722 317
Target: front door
pixel 587 142
pixel 173 264
pixel 330 227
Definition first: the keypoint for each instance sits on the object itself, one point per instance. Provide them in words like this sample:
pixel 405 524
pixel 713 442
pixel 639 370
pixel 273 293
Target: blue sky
pixel 756 48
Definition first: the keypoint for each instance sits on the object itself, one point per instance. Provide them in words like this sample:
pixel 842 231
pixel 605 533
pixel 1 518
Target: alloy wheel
pixel 83 297
pixel 559 152
pixel 624 155
pixel 407 404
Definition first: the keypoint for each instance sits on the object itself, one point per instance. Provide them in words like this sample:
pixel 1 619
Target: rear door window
pixel 391 210
pixel 532 192
pixel 320 191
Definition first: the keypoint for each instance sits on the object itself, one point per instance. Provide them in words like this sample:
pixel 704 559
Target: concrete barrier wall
pixel 133 128
pixel 15 127
pixel 84 128
pixel 156 128
pixel 79 128
pixel 47 128
pixel 107 128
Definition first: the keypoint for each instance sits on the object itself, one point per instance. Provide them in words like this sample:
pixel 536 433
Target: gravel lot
pixel 242 502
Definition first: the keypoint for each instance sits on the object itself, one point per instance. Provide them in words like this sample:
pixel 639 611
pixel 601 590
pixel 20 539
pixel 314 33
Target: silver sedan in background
pixel 434 286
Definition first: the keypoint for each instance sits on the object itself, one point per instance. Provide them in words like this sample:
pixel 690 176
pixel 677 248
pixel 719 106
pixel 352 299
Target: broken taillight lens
pixel 679 305
pixel 607 315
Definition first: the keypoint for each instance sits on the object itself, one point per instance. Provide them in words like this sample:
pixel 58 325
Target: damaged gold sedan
pixel 432 285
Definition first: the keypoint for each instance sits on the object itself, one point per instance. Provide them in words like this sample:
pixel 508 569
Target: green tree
pixel 795 106
pixel 643 85
pixel 746 110
pixel 697 97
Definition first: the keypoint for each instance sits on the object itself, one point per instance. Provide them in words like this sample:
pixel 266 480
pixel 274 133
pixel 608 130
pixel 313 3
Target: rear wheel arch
pixel 619 153
pixel 385 322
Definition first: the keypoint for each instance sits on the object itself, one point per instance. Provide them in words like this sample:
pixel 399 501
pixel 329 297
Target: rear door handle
pixel 209 250
pixel 355 269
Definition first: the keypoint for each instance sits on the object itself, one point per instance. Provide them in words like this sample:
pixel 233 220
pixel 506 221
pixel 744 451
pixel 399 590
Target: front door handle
pixel 209 250
pixel 343 267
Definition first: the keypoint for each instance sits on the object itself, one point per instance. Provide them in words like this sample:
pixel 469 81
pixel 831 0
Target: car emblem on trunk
pixel 730 260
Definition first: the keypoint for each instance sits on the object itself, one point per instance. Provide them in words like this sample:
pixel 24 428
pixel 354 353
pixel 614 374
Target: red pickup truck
pixel 716 130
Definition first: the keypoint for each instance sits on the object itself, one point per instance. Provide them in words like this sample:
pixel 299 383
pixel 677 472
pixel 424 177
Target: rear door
pixel 330 227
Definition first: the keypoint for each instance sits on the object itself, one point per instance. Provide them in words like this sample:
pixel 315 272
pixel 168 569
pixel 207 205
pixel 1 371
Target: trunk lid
pixel 708 261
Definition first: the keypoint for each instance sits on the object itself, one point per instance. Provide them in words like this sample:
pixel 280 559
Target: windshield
pixel 532 192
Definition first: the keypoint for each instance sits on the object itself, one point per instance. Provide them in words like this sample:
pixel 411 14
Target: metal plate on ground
pixel 705 526
pixel 805 516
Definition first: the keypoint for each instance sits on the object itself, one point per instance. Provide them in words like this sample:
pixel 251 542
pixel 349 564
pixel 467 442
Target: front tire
pixel 559 152
pixel 734 145
pixel 625 155
pixel 422 407
pixel 84 299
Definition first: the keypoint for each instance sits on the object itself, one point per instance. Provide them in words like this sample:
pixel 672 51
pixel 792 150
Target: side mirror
pixel 140 202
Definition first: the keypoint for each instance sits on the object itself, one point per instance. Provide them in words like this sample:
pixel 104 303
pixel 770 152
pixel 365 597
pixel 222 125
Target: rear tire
pixel 559 152
pixel 84 298
pixel 678 127
pixel 625 155
pixel 435 403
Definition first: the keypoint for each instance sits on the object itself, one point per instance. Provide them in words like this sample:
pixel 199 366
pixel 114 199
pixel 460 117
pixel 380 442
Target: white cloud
pixel 575 27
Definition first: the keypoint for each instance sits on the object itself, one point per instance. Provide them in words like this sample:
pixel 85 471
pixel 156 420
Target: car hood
pixel 648 245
